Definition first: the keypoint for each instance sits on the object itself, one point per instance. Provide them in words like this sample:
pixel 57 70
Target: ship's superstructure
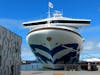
pixel 55 40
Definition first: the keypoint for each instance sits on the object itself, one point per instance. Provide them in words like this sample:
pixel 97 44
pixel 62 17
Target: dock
pixel 60 72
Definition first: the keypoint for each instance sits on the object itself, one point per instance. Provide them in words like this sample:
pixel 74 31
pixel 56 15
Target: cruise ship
pixel 56 40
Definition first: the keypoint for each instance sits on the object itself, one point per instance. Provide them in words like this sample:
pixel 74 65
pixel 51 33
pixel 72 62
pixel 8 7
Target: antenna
pixel 49 12
pixel 50 5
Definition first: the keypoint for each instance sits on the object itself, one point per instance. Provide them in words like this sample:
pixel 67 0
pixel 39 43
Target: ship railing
pixel 63 67
pixel 66 67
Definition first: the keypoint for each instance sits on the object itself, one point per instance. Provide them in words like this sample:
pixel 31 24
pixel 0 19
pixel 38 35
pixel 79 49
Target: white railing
pixel 62 67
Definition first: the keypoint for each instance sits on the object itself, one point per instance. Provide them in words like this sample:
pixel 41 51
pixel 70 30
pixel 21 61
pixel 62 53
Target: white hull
pixel 55 45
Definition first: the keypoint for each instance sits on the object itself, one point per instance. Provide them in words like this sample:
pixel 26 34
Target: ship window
pixel 66 21
pixel 36 23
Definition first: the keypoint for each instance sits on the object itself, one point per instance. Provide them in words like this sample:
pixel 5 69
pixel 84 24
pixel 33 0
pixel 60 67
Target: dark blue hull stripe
pixel 66 58
pixel 33 46
pixel 56 49
pixel 43 58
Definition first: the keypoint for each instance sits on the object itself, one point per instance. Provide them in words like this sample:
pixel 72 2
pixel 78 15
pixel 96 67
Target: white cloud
pixel 26 53
pixel 89 29
pixel 89 45
pixel 98 45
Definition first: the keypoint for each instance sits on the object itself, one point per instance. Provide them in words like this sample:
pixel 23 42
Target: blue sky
pixel 14 12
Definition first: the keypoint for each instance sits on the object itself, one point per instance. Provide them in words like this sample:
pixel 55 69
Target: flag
pixel 50 5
